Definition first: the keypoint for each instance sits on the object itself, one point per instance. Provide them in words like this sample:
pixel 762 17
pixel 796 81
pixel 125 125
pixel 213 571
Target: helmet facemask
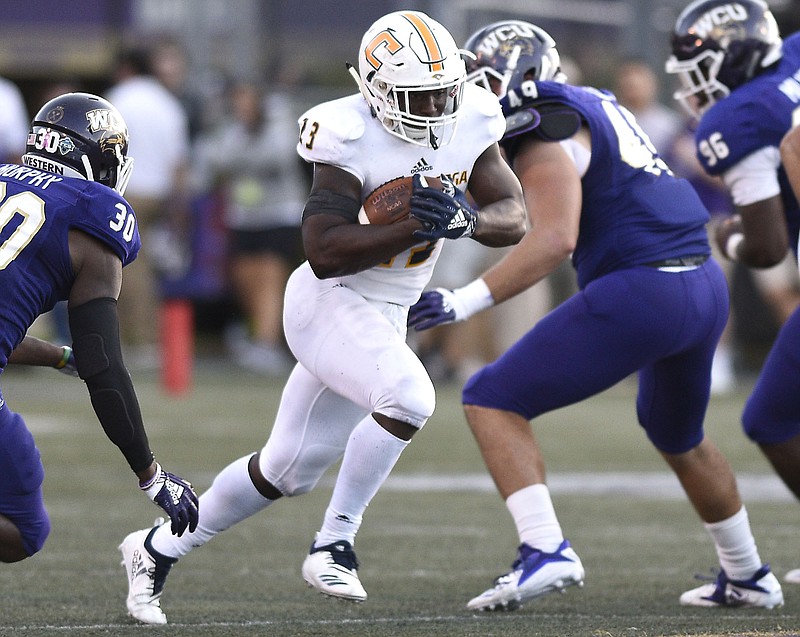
pixel 490 78
pixel 396 104
pixel 718 46
pixel 115 166
pixel 700 88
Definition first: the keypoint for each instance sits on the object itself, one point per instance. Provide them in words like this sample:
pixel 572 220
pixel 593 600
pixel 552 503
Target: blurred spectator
pixel 637 89
pixel 251 159
pixel 171 68
pixel 13 122
pixel 157 191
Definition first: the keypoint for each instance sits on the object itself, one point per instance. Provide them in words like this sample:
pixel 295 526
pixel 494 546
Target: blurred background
pixel 243 70
pixel 305 43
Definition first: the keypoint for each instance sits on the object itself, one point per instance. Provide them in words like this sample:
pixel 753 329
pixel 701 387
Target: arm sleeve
pixel 95 332
pixel 755 178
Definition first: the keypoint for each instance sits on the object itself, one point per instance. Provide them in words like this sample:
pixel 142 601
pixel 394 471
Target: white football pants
pixel 352 360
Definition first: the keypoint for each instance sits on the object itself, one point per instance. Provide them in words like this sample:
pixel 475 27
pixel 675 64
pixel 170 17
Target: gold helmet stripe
pixel 435 56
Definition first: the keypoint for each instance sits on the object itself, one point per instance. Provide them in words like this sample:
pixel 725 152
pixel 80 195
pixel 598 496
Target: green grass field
pixel 435 536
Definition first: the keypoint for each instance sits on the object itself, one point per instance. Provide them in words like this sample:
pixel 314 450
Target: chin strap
pixel 511 66
pixel 362 89
pixel 87 167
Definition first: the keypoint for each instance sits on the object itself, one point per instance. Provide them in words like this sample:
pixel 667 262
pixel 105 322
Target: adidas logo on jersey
pixel 421 166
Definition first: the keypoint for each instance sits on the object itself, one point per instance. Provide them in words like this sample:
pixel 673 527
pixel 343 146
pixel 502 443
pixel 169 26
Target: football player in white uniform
pixel 358 390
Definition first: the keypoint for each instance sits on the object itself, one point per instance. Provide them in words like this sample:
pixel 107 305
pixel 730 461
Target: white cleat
pixel 533 573
pixel 760 591
pixel 793 576
pixel 146 577
pixel 333 570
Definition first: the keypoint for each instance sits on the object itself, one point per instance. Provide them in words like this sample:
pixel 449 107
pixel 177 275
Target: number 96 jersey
pixel 343 133
pixel 37 211
pixel 752 119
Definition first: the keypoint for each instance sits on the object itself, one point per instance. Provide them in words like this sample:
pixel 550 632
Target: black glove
pixel 445 214
pixel 176 496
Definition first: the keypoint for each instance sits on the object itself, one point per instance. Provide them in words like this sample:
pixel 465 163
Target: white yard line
pixel 642 484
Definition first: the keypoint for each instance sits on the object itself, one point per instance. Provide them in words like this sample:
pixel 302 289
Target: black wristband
pixel 327 202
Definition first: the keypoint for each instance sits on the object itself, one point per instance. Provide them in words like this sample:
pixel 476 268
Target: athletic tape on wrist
pixel 732 245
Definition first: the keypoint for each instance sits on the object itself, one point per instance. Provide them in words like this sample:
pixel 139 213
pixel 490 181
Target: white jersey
pixel 344 134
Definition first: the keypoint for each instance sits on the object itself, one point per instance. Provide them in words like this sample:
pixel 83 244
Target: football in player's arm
pixel 359 393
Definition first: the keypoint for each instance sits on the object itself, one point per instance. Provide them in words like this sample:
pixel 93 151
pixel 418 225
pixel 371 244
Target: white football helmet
pixel 407 53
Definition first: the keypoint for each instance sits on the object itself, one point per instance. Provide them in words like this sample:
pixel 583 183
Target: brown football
pixel 390 202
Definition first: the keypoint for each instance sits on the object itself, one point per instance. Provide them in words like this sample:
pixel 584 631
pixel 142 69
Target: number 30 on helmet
pixel 80 135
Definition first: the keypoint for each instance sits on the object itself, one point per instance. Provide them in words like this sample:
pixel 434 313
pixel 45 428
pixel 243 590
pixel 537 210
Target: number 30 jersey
pixel 37 211
pixel 343 133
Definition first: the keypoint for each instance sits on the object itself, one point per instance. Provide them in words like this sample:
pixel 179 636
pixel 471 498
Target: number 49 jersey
pixel 635 211
pixel 37 211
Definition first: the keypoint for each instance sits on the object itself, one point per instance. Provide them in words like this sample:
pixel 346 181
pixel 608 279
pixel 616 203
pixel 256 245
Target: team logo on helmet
pixel 56 115
pixel 66 146
pixel 504 37
pixel 102 119
pixel 725 17
pixel 385 39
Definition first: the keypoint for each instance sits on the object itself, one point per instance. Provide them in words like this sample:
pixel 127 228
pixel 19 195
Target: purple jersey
pixel 635 211
pixel 755 115
pixel 651 301
pixel 37 210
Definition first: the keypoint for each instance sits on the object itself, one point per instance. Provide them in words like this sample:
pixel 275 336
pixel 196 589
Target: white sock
pixel 370 455
pixel 535 517
pixel 736 548
pixel 231 498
